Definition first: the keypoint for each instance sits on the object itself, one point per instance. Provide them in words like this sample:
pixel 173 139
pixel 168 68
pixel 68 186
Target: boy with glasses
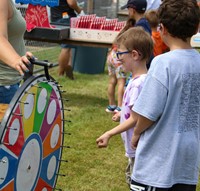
pixel 135 46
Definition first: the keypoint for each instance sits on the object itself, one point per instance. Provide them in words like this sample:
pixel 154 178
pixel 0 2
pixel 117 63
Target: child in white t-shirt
pixel 135 47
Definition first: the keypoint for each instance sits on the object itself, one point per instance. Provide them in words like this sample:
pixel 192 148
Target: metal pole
pixel 117 6
pixel 90 6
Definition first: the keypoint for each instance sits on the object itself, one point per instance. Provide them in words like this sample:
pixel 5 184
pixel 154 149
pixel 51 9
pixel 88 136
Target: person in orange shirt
pixel 159 46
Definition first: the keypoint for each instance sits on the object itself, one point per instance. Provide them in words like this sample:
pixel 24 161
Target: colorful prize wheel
pixel 31 136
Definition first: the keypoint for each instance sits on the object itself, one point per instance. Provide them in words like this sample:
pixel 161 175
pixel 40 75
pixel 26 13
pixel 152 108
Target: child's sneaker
pixel 117 109
pixel 110 109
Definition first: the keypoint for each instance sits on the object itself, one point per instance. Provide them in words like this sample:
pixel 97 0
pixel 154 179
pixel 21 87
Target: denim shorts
pixel 7 93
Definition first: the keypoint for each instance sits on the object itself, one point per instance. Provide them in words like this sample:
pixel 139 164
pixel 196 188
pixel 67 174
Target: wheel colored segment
pixel 32 137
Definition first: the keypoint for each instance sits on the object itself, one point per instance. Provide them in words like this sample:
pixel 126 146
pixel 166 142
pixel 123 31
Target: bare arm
pixel 142 124
pixel 7 53
pixel 103 140
pixel 73 4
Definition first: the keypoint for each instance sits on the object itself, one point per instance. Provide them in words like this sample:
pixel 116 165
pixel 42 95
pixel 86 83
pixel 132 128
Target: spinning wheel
pixel 31 135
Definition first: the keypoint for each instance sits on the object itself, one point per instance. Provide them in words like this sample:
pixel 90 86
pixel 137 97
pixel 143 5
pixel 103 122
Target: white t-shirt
pixel 130 96
pixel 168 152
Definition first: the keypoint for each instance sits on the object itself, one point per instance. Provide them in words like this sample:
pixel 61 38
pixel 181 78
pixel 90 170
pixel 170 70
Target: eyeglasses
pixel 118 54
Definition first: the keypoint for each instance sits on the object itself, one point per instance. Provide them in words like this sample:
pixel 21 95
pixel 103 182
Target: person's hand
pixel 134 141
pixel 103 140
pixel 23 62
pixel 82 13
pixel 116 117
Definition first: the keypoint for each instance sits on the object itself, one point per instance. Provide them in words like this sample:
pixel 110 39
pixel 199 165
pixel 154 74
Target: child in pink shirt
pixel 135 47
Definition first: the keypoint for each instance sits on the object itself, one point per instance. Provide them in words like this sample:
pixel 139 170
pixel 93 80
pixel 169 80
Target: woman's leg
pixel 63 60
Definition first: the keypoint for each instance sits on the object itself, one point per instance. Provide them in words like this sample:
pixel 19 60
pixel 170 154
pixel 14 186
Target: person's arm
pixel 103 140
pixel 7 53
pixel 141 125
pixel 73 4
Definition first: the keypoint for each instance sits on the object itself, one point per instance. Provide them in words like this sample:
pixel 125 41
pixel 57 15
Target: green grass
pixel 89 168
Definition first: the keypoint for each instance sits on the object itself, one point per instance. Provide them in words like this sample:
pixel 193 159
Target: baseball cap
pixel 138 5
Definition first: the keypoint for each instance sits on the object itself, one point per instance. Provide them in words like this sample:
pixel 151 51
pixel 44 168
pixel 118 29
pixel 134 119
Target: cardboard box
pixel 92 35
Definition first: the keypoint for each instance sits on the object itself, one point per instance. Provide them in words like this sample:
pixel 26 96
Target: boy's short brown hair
pixel 138 39
pixel 180 17
pixel 152 18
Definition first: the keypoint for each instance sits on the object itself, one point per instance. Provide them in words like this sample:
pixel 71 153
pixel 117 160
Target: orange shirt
pixel 159 46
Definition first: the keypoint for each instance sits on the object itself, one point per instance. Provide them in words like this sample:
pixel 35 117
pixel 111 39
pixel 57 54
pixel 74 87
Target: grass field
pixel 89 168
